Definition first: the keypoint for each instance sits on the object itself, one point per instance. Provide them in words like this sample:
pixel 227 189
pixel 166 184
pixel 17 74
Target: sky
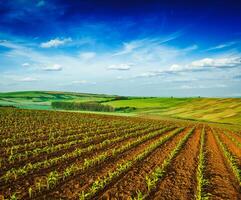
pixel 128 47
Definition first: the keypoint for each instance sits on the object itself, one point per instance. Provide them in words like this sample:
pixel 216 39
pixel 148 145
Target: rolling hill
pixel 222 110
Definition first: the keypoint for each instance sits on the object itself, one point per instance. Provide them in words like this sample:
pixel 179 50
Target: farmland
pixel 221 110
pixel 71 155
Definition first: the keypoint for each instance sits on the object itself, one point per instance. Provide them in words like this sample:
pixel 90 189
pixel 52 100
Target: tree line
pixel 90 106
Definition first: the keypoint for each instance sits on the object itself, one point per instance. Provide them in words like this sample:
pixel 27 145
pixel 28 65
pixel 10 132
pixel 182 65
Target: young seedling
pixel 30 190
pixel 52 179
pixel 13 197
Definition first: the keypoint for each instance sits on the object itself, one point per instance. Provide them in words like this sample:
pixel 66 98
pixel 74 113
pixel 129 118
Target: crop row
pixel 55 178
pixel 24 156
pixel 233 139
pixel 60 140
pixel 22 128
pixel 230 158
pixel 202 182
pixel 50 123
pixel 13 174
pixel 101 183
pixel 154 177
pixel 62 134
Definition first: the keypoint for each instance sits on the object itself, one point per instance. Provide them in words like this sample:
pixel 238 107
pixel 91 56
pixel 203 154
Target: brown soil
pixel 134 180
pixel 235 136
pixel 222 183
pixel 62 138
pixel 232 147
pixel 46 156
pixel 72 188
pixel 179 182
pixel 22 183
pixel 45 137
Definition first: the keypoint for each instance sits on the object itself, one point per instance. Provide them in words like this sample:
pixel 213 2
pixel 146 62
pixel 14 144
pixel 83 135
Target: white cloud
pixel 217 62
pixel 55 42
pixel 87 55
pixel 203 86
pixel 129 47
pixel 11 45
pixel 175 68
pixel 186 87
pixel 148 75
pixel 152 52
pixel 165 62
pixel 120 67
pixel 25 64
pixel 27 79
pixel 194 66
pixel 205 64
pixel 80 82
pixel 55 67
pixel 190 48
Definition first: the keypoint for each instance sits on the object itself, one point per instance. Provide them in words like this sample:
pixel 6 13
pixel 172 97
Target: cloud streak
pixel 228 62
pixel 131 46
pixel 27 79
pixel 222 46
pixel 155 60
pixel 199 86
pixel 55 42
pixel 201 65
pixel 87 55
pixel 55 67
pixel 120 67
pixel 25 64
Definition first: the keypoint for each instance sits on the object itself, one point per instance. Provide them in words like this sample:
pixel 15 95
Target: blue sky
pixel 143 48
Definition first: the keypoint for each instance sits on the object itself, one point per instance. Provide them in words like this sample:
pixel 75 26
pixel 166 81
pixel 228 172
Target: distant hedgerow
pixel 90 106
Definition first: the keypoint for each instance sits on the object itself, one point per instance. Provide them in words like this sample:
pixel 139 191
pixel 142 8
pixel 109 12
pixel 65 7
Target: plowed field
pixel 61 155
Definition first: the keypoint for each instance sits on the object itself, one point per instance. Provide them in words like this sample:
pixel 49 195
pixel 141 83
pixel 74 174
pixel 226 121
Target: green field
pixel 225 110
pixel 150 103
pixel 222 110
pixel 42 100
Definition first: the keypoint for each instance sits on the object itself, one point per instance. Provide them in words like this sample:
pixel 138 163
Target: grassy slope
pixel 42 100
pixel 223 110
pixel 227 110
pixel 150 103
